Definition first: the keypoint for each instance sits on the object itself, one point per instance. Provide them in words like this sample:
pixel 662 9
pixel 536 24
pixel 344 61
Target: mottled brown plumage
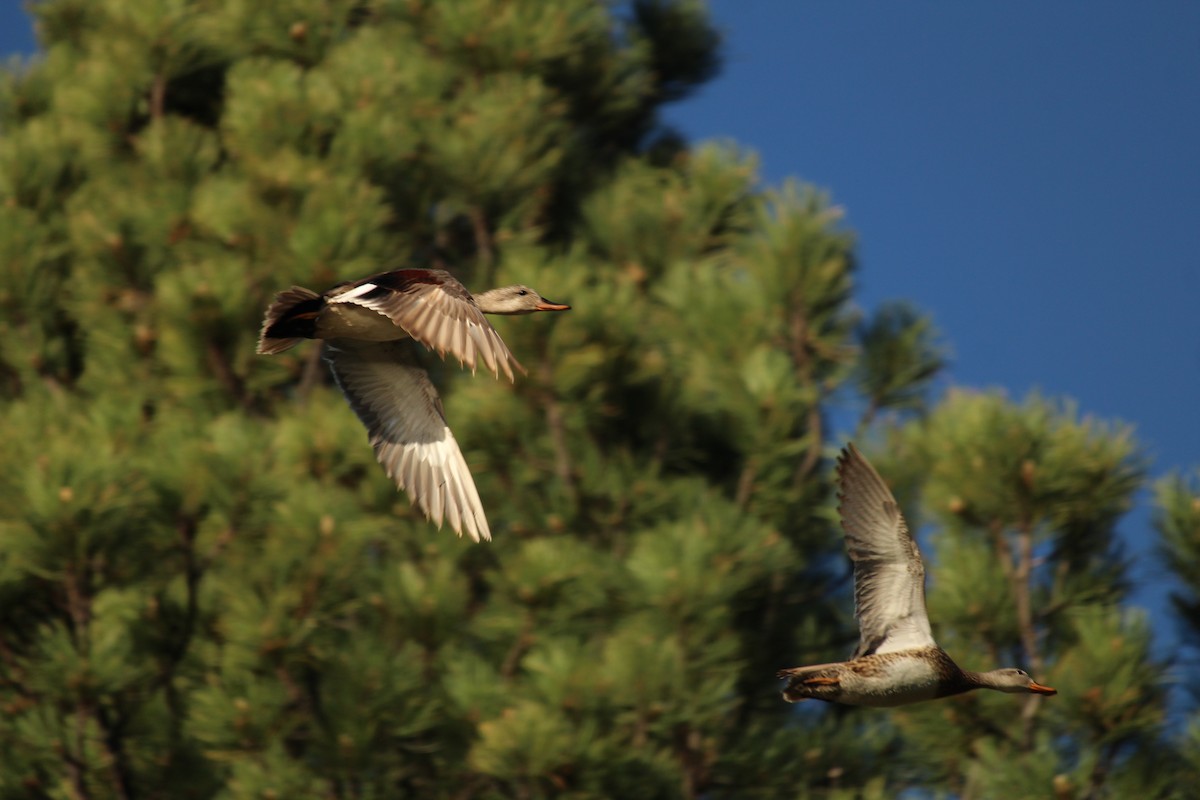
pixel 897 660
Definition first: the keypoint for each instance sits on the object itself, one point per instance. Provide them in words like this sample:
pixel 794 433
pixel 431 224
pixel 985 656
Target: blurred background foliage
pixel 208 589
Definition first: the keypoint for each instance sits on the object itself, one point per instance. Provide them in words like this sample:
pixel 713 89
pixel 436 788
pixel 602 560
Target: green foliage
pixel 209 589
pixel 1178 518
pixel 1026 573
pixel 900 357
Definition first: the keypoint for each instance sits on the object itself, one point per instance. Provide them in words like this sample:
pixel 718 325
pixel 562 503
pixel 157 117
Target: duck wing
pixel 400 408
pixel 436 310
pixel 889 577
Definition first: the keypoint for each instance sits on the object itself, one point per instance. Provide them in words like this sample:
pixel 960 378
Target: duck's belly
pixel 900 684
pixel 355 322
pixel 891 695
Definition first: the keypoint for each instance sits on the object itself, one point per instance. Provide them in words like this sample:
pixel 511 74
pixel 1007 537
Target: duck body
pixel 346 321
pixel 303 314
pixel 880 680
pixel 897 661
pixel 385 384
pixel 429 305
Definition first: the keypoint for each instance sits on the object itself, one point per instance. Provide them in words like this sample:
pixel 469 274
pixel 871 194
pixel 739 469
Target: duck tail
pixel 798 687
pixel 292 316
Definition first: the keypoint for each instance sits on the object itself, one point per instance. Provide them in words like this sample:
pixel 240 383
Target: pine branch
pixel 187 527
pixel 520 646
pixel 799 348
pixel 1100 770
pixel 693 760
pixel 1018 569
pixel 78 607
pixel 114 746
pixel 158 96
pixel 746 480
pixel 78 787
pixel 218 361
pixel 311 372
pixel 868 416
pixel 484 243
pixel 556 424
pixel 218 546
pixel 78 611
pixel 1023 577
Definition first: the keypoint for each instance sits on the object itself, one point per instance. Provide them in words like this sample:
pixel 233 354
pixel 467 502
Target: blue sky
pixel 1026 172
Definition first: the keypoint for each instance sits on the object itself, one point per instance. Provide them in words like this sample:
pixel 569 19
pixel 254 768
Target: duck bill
pixel 546 305
pixel 1037 688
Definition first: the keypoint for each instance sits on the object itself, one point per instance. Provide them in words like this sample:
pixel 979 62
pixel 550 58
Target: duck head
pixel 511 300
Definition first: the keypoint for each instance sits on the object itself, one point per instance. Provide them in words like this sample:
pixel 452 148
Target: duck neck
pixel 953 678
pixel 490 302
pixel 485 301
pixel 973 680
pixel 982 680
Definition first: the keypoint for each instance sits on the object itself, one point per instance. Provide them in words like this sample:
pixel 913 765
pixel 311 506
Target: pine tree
pixel 209 589
pixel 1177 502
pixel 1177 499
pixel 1021 503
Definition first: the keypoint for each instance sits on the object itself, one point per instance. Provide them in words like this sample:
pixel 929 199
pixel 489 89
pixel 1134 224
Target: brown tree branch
pixel 310 373
pixel 484 243
pixel 158 96
pixel 78 607
pixel 114 747
pixel 218 362
pixel 79 612
pixel 746 480
pixel 800 349
pixel 520 645
pixel 694 760
pixel 556 424
pixel 1100 770
pixel 78 786
pixel 187 527
pixel 1018 569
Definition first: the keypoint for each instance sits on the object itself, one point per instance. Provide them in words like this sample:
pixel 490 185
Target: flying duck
pixel 897 661
pixel 365 323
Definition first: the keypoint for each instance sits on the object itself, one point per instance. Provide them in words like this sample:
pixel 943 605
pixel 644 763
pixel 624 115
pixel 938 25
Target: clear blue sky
pixel 1027 172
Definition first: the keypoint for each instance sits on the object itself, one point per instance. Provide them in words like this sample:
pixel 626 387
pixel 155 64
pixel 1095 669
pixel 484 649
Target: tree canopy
pixel 209 589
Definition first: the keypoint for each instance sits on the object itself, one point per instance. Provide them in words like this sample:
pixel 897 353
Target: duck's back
pixel 348 321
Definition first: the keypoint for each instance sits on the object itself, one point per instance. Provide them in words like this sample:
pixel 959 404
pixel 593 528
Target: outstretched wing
pixel 889 578
pixel 402 412
pixel 436 310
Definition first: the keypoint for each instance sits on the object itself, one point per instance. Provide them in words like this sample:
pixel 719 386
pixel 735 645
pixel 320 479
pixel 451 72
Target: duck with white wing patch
pixel 365 323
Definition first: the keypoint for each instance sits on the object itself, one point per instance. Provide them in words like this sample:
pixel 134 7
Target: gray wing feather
pixel 400 408
pixel 889 576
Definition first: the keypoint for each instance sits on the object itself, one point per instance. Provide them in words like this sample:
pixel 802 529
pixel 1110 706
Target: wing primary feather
pixel 889 585
pixel 397 403
pixel 392 394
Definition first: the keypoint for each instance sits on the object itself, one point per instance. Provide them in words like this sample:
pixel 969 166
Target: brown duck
pixel 897 661
pixel 366 322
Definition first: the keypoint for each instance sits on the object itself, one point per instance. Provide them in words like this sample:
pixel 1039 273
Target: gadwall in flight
pixel 897 661
pixel 365 323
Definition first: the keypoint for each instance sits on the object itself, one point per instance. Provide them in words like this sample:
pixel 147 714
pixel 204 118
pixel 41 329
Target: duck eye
pixel 522 293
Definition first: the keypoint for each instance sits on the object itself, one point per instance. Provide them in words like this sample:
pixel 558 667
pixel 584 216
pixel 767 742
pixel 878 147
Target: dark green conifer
pixel 209 589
